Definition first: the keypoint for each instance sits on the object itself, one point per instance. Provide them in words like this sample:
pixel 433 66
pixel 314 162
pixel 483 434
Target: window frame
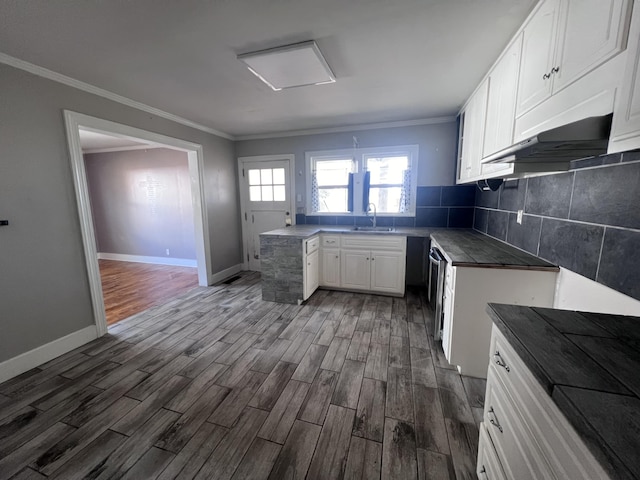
pixel 358 156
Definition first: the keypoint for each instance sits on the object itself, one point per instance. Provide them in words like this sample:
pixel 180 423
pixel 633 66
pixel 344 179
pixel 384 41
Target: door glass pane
pixel 279 193
pixel 333 172
pixel 387 200
pixel 265 175
pixel 387 169
pixel 278 176
pixel 332 199
pixel 267 193
pixel 254 194
pixel 254 177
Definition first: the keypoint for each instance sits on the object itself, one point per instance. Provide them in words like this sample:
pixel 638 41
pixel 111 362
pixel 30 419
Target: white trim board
pixel 42 354
pixel 123 257
pixel 226 273
pixel 86 87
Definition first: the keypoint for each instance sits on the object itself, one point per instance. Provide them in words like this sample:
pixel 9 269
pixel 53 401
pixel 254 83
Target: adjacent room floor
pixel 219 384
pixel 129 288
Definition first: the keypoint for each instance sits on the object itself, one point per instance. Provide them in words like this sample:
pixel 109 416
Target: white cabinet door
pixel 330 268
pixel 473 134
pixel 501 102
pixel 590 33
pixel 387 272
pixel 625 132
pixel 311 275
pixel 538 47
pixel 355 269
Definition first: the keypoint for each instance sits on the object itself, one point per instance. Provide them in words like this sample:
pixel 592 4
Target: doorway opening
pixel 80 130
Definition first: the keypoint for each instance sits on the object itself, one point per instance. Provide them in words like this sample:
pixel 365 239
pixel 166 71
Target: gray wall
pixel 141 202
pixel 44 289
pixel 586 220
pixel 437 146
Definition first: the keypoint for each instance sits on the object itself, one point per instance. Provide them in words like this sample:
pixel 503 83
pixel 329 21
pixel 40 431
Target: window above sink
pixel 347 181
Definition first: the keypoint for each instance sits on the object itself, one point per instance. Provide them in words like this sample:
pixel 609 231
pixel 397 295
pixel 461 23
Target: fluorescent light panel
pixel 289 66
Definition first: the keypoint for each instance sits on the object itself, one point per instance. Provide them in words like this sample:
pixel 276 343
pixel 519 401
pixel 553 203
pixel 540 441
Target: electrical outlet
pixel 519 218
pixel 167 252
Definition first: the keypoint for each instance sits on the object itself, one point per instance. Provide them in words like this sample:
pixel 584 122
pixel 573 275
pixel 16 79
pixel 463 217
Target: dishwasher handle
pixel 435 257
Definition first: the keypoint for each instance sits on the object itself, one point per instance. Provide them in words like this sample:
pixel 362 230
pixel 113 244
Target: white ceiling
pixel 394 60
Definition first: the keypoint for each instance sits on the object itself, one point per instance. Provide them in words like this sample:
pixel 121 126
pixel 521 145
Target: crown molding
pixel 72 82
pixel 349 128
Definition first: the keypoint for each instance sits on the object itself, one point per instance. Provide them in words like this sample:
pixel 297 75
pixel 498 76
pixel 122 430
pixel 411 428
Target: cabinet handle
pixel 493 420
pixel 372 259
pixel 555 69
pixel 337 256
pixel 500 362
pixel 367 258
pixel 546 76
pixel 483 472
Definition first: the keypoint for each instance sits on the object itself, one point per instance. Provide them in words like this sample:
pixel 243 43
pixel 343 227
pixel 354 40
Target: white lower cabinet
pixel 524 433
pixel 373 263
pixel 310 266
pixel 466 330
pixel 356 270
pixel 330 267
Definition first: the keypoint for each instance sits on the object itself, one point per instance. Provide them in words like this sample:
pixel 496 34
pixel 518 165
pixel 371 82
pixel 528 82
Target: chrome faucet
pixel 374 213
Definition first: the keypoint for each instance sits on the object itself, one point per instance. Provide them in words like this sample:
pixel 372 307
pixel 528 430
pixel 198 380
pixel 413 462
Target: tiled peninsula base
pixel 282 270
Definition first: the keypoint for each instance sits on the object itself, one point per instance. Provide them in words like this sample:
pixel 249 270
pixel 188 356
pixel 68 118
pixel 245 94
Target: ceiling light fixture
pixel 289 66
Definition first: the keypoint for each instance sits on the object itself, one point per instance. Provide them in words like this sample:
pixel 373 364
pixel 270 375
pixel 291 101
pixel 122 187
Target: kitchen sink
pixel 373 229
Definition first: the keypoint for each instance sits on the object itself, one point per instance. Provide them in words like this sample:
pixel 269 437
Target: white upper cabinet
pixel 501 103
pixel 625 132
pixel 563 41
pixel 537 56
pixel 592 32
pixel 472 132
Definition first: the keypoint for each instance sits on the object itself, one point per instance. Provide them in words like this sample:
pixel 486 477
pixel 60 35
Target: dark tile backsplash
pixel 575 246
pixel 613 199
pixel 549 195
pixel 621 247
pixel 586 220
pixel 447 206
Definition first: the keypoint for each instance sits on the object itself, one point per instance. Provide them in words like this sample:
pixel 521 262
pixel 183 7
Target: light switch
pixel 299 197
pixel 519 217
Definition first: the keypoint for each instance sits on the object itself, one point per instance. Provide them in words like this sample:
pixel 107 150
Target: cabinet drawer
pixel 519 454
pixel 311 245
pixel 375 242
pixel 489 467
pixel 561 446
pixel 330 241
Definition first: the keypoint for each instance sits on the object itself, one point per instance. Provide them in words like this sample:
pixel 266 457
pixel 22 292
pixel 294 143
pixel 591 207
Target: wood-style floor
pixel 218 384
pixel 129 288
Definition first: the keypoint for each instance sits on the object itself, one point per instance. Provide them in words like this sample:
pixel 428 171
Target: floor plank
pixel 348 387
pixel 434 466
pixel 258 461
pixel 228 454
pixel 369 421
pixel 296 454
pixel 399 395
pixel 283 415
pixel 364 460
pixel 399 451
pixel 330 458
pixel 315 406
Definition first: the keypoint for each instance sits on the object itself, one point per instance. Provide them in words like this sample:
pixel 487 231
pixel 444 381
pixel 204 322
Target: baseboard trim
pixel 226 273
pixel 42 354
pixel 122 257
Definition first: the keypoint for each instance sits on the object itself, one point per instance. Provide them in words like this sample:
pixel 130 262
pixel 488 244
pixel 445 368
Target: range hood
pixel 585 138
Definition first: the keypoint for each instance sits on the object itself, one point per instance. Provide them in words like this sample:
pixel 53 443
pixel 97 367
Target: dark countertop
pixel 468 248
pixel 589 363
pixel 462 247
pixel 306 231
